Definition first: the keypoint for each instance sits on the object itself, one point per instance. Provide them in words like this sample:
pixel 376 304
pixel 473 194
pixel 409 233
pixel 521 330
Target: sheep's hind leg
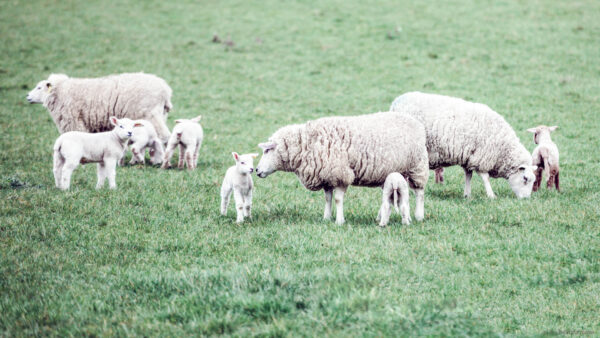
pixel 181 156
pixel 328 195
pixel 111 170
pixel 67 171
pixel 168 154
pixel 339 204
pixel 248 204
pixel 101 173
pixel 486 183
pixel 59 161
pixel 419 204
pixel 225 194
pixel 384 211
pixel 158 120
pixel 468 176
pixel 239 205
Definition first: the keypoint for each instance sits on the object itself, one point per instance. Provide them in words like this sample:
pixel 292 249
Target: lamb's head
pixel 44 88
pixel 541 132
pixel 123 127
pixel 157 152
pixel 244 163
pixel 521 181
pixel 270 161
pixel 195 120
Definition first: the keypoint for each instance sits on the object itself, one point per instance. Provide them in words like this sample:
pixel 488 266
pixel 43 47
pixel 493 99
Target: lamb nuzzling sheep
pixel 545 156
pixel 394 185
pixel 333 153
pixel 188 135
pixel 75 147
pixel 470 135
pixel 238 179
pixel 144 136
pixel 85 104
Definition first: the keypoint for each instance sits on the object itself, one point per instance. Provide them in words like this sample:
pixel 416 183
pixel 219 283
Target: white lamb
pixel 238 179
pixel 85 104
pixel 394 185
pixel 106 149
pixel 333 153
pixel 545 156
pixel 188 135
pixel 470 135
pixel 144 137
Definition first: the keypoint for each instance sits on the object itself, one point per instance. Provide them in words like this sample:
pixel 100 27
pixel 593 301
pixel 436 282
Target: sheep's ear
pixel 553 128
pixel 267 145
pixel 113 120
pixel 197 118
pixel 236 157
pixel 254 155
pixel 532 130
pixel 178 121
pixel 137 124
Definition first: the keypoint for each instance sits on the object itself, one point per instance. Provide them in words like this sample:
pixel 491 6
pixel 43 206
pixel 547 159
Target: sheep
pixel 85 104
pixel 145 137
pixel 188 135
pixel 75 147
pixel 470 135
pixel 238 179
pixel 545 156
pixel 394 185
pixel 333 153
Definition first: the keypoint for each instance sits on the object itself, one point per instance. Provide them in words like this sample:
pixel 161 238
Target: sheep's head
pixel 123 127
pixel 44 88
pixel 270 160
pixel 157 153
pixel 541 131
pixel 244 163
pixel 521 181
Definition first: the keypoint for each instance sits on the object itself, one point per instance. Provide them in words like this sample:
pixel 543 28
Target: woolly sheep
pixel 238 179
pixel 188 135
pixel 394 185
pixel 85 104
pixel 545 156
pixel 334 152
pixel 470 135
pixel 75 147
pixel 144 136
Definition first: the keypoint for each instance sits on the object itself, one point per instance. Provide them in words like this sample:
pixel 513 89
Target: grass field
pixel 154 257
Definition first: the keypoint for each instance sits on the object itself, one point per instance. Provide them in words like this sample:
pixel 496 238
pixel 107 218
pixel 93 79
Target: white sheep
pixel 85 104
pixel 545 156
pixel 188 135
pixel 75 147
pixel 144 136
pixel 333 153
pixel 470 135
pixel 394 185
pixel 238 179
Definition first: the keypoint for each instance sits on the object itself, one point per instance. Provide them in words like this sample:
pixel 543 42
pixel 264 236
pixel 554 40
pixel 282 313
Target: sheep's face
pixel 40 93
pixel 156 153
pixel 123 127
pixel 521 182
pixel 269 161
pixel 244 164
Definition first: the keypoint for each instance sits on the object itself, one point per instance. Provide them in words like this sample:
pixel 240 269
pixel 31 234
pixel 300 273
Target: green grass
pixel 154 257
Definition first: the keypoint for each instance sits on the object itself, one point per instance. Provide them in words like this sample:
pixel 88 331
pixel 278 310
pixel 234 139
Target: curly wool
pixel 465 133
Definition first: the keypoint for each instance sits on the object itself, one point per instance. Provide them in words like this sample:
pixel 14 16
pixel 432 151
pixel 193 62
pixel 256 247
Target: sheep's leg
pixel 196 155
pixel 67 171
pixel 405 208
pixel 384 211
pixel 225 194
pixel 468 176
pixel 328 195
pixel 122 159
pixel 486 183
pixel 439 175
pixel 59 161
pixel 239 205
pixel 538 178
pixel 248 203
pixel 556 185
pixel 111 170
pixel 189 158
pixel 158 120
pixel 339 204
pixel 101 173
pixel 168 154
pixel 181 156
pixel 419 204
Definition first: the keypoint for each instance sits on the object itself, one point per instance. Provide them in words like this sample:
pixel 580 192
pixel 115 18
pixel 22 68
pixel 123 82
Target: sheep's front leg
pixel 111 170
pixel 239 205
pixel 328 195
pixel 181 156
pixel 59 161
pixel 67 170
pixel 225 194
pixel 101 172
pixel 486 183
pixel 158 120
pixel 419 204
pixel 468 176
pixel 248 203
pixel 339 204
pixel 168 154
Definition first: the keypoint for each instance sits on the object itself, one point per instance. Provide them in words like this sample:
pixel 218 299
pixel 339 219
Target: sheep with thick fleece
pixel 144 136
pixel 470 135
pixel 394 185
pixel 75 147
pixel 545 156
pixel 333 153
pixel 85 104
pixel 188 135
pixel 238 179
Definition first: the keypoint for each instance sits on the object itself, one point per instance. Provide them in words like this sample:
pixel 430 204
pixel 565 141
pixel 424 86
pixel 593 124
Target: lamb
pixel 188 135
pixel 145 137
pixel 470 135
pixel 85 104
pixel 75 147
pixel 333 153
pixel 394 185
pixel 545 156
pixel 238 179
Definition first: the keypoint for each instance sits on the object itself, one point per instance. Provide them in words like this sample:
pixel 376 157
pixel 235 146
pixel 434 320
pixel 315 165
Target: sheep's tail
pixel 396 206
pixel 546 159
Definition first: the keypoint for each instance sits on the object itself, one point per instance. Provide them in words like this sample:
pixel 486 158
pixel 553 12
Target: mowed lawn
pixel 154 257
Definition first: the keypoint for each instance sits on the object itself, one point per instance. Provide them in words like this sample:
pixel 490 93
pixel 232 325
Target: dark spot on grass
pixel 432 55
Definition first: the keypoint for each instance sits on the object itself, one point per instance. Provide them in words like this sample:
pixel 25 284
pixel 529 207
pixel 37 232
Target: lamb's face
pixel 123 127
pixel 269 161
pixel 521 182
pixel 244 163
pixel 40 92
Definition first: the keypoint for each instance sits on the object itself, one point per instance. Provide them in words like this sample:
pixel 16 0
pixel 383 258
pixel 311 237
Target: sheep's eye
pixel 242 162
pixel 121 127
pixel 267 150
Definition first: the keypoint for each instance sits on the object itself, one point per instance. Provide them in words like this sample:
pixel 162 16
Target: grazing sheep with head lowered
pixel 333 153
pixel 85 104
pixel 188 135
pixel 545 156
pixel 144 136
pixel 470 135
pixel 394 185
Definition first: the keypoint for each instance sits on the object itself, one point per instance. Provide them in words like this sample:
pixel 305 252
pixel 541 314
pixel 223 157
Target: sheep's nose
pixel 128 133
pixel 251 169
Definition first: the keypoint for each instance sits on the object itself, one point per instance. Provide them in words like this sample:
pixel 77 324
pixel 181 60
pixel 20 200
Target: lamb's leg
pixel 101 172
pixel 158 120
pixel 181 156
pixel 538 178
pixel 196 155
pixel 225 194
pixel 122 159
pixel 404 207
pixel 486 183
pixel 111 170
pixel 59 161
pixel 67 171
pixel 248 204
pixel 328 195
pixel 339 204
pixel 419 204
pixel 439 175
pixel 556 185
pixel 168 154
pixel 384 211
pixel 468 176
pixel 239 205
pixel 189 157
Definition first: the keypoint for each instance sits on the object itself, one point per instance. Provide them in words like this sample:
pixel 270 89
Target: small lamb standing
pixel 106 149
pixel 545 156
pixel 85 104
pixel 188 135
pixel 144 137
pixel 394 185
pixel 238 179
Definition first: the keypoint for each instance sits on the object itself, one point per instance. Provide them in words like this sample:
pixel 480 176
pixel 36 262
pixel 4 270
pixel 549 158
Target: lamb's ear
pixel 532 130
pixel 113 120
pixel 254 155
pixel 267 146
pixel 553 128
pixel 236 157
pixel 178 121
pixel 137 124
pixel 197 118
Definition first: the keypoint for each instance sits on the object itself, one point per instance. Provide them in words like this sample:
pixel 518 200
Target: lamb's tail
pixel 396 205
pixel 545 157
